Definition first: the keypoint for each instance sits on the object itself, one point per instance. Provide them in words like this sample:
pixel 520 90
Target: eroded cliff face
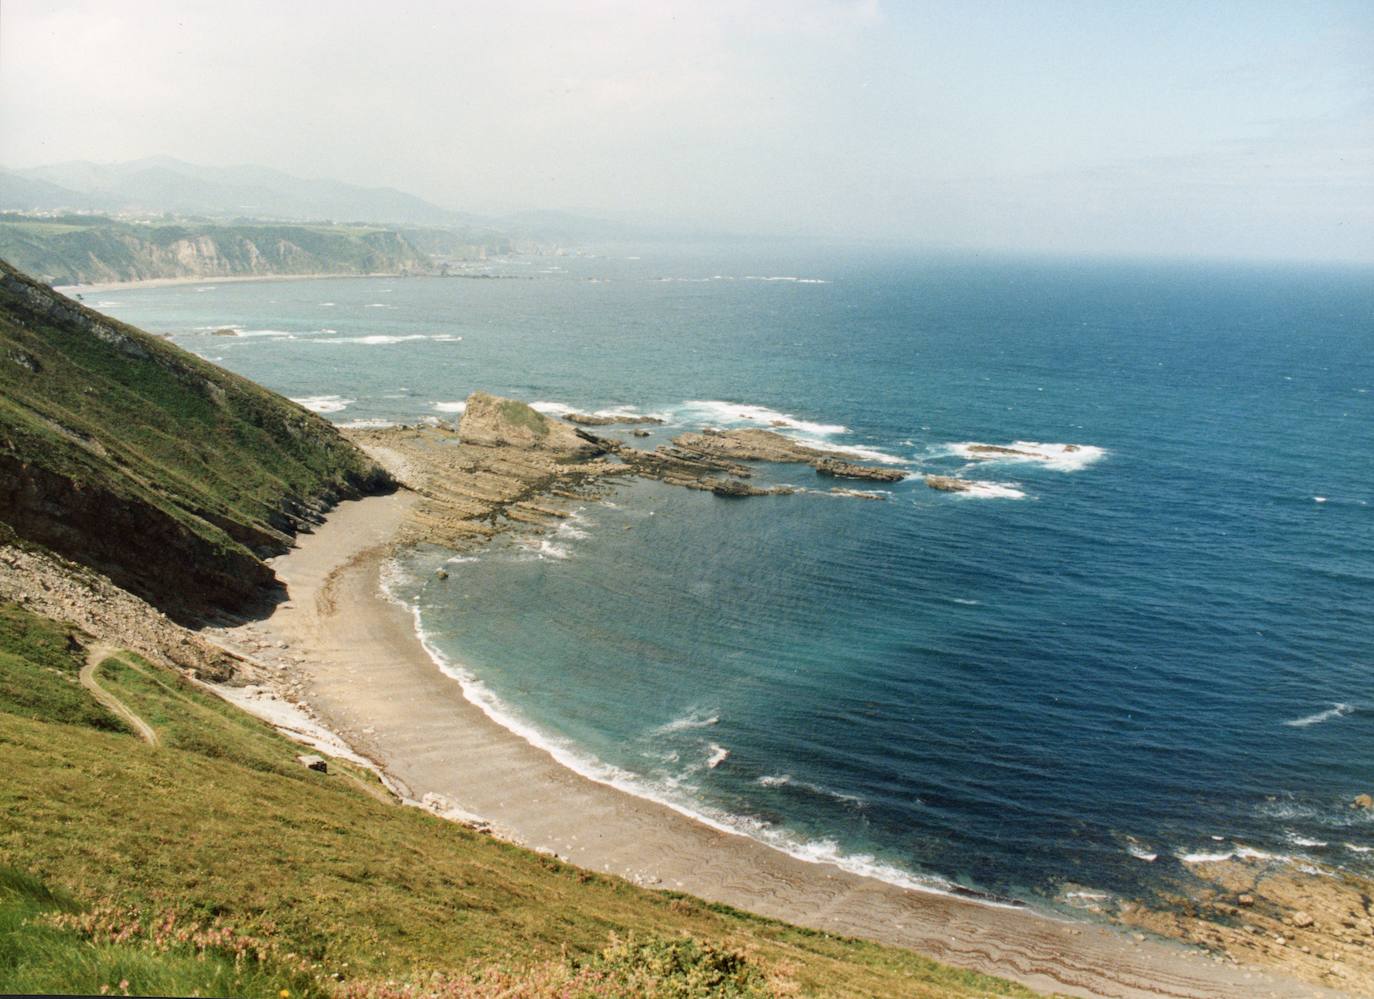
pixel 171 476
pixel 120 253
pixel 139 547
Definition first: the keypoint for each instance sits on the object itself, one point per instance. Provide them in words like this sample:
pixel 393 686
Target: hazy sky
pixel 1242 128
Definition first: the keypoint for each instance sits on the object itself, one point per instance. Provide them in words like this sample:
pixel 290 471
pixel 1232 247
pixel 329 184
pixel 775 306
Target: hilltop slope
pixel 170 475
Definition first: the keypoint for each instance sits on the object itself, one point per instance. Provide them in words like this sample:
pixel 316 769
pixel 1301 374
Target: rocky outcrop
pixel 768 445
pixel 849 470
pixel 736 488
pixel 592 420
pixel 948 484
pixel 997 451
pixel 749 445
pixel 491 421
pixel 1267 911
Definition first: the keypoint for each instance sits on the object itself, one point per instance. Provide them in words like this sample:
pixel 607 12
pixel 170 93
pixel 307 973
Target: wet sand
pixel 368 677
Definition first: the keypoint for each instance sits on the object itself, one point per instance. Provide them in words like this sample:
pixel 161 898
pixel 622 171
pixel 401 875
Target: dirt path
pixel 95 655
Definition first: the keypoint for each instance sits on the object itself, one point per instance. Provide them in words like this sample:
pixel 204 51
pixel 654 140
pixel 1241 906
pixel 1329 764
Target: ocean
pixel 1108 662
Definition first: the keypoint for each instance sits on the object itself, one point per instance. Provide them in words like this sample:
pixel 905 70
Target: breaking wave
pixel 1335 711
pixel 1060 457
pixel 691 720
pixel 379 338
pixel 324 403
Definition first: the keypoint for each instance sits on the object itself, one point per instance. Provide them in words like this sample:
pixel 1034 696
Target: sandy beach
pixel 87 289
pixel 367 676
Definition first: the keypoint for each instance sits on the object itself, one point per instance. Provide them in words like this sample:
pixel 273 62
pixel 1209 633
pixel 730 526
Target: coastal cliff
pixel 173 477
pixel 93 249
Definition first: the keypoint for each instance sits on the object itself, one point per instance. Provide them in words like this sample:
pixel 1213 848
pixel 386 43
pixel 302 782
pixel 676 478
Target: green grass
pixel 520 414
pixel 221 824
pixel 41 952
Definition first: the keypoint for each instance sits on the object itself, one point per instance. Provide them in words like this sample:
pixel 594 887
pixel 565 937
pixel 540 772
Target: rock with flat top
pixel 849 470
pixel 311 762
pixel 491 421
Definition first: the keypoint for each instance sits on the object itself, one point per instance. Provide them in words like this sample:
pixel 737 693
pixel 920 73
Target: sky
pixel 1219 129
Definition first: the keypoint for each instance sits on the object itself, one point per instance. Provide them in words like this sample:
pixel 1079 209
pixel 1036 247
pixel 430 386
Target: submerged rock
pixel 994 450
pixel 1364 801
pixel 948 483
pixel 592 420
pixel 734 487
pixel 849 470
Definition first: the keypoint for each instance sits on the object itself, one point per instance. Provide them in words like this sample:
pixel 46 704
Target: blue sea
pixel 1108 662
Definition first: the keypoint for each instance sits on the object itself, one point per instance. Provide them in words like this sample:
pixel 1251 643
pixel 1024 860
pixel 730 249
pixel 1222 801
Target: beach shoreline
pixel 90 289
pixel 364 671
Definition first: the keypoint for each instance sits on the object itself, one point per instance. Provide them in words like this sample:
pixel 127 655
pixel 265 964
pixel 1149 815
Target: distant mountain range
pixel 162 184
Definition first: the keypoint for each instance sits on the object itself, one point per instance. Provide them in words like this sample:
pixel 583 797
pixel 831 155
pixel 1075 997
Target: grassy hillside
pixel 78 249
pixel 170 475
pixel 124 861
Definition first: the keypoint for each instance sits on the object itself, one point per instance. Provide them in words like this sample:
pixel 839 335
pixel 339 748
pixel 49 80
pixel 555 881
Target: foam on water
pixel 691 720
pixel 457 406
pixel 714 412
pixel 325 403
pixel 980 489
pixel 1335 711
pixel 1236 852
pixel 1306 841
pixel 375 339
pixel 1060 457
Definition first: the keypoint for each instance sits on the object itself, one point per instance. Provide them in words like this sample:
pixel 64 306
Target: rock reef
pixel 949 484
pixel 508 466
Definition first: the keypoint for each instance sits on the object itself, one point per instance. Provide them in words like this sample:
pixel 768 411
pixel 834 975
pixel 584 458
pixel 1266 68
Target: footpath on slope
pixel 95 655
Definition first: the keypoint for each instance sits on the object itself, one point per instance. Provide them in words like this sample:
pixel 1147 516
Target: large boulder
pixel 491 421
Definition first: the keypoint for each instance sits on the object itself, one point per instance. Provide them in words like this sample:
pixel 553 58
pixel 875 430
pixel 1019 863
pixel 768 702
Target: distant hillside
pixel 170 475
pixel 161 185
pixel 165 185
pixel 82 249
